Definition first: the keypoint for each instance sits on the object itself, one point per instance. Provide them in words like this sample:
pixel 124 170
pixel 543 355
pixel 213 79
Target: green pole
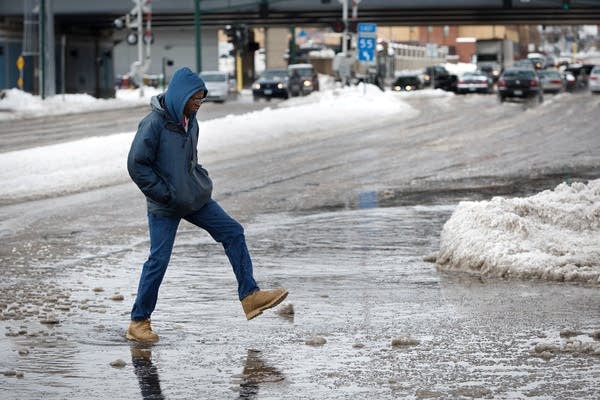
pixel 42 48
pixel 292 45
pixel 198 36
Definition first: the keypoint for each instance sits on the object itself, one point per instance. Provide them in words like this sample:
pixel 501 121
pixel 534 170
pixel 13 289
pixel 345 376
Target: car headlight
pixel 495 72
pixel 280 85
pixel 397 88
pixel 307 83
pixel 256 86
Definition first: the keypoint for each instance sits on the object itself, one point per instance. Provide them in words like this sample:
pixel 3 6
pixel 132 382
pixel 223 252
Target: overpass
pixel 87 56
pixel 172 13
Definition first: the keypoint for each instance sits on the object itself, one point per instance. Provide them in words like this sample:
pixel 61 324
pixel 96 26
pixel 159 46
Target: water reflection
pixel 146 372
pixel 368 200
pixel 256 372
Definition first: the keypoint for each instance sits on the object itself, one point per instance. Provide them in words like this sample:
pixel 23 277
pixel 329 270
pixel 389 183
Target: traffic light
pixel 237 35
pixel 230 32
pixel 566 5
pixel 252 45
pixel 338 26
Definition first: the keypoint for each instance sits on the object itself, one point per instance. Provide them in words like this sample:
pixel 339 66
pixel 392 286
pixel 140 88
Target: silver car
pixel 594 80
pixel 217 85
pixel 552 81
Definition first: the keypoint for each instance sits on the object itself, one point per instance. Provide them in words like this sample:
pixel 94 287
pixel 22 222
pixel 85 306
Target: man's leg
pixel 162 236
pixel 230 233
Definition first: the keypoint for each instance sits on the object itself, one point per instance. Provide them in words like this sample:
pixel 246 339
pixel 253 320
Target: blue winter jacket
pixel 163 159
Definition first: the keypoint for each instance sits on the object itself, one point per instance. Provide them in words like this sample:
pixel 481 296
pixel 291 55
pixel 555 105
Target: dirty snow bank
pixel 554 235
pixel 17 104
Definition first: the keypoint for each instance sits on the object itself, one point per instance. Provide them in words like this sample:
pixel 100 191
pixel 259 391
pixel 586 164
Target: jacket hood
pixel 183 85
pixel 156 103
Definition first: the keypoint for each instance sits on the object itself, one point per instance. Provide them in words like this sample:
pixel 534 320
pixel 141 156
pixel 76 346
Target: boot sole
pixel 258 311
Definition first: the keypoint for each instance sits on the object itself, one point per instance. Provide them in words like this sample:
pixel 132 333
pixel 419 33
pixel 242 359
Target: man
pixel 163 162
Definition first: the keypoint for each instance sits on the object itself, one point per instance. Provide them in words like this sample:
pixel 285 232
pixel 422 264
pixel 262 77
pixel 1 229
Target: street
pixel 343 219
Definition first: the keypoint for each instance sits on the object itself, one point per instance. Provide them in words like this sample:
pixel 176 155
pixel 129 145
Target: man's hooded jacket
pixel 163 159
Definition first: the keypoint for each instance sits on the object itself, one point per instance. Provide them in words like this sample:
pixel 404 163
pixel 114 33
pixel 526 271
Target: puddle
pixel 356 278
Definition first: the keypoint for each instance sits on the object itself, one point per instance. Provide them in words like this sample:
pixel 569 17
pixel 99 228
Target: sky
pixel 551 236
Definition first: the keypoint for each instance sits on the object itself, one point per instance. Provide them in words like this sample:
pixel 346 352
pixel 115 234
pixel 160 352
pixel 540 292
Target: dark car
pixel 303 79
pixel 474 82
pixel 407 83
pixel 520 83
pixel 441 78
pixel 271 83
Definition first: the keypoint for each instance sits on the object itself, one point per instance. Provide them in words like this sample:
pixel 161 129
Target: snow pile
pixel 21 104
pixel 554 235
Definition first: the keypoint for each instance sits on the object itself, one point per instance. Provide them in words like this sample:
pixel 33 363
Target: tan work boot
pixel 141 331
pixel 255 303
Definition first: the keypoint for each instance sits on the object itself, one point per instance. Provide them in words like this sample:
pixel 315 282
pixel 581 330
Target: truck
pixel 493 55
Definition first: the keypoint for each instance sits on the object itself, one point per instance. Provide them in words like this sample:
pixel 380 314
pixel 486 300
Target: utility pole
pixel 42 48
pixel 345 20
pixel 197 25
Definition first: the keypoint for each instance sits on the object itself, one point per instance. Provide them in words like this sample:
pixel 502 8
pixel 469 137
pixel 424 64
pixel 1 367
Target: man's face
pixel 193 104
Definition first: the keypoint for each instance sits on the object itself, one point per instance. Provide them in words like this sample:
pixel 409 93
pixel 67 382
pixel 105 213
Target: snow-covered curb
pixel 17 104
pixel 554 235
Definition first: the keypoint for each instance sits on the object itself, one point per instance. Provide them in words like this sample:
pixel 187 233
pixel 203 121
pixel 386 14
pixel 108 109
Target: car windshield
pixel 519 74
pixel 213 77
pixel 302 71
pixel 551 74
pixel 274 74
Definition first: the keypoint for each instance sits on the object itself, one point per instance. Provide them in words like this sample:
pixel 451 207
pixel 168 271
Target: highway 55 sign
pixel 366 42
pixel 366 48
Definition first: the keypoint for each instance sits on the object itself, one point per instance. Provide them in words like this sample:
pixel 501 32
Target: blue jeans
pixel 219 225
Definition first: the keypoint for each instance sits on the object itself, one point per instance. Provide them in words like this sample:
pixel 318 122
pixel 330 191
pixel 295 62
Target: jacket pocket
pixel 203 183
pixel 194 191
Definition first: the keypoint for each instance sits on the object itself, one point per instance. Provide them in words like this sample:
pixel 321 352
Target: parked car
pixel 474 82
pixel 520 83
pixel 594 80
pixel 581 72
pixel 407 83
pixel 552 81
pixel 302 79
pixel 217 85
pixel 441 78
pixel 271 83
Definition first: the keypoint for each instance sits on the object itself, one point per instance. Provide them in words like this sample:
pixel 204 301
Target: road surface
pixel 342 219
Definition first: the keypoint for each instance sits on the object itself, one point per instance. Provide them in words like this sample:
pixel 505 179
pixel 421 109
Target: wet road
pixel 343 220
